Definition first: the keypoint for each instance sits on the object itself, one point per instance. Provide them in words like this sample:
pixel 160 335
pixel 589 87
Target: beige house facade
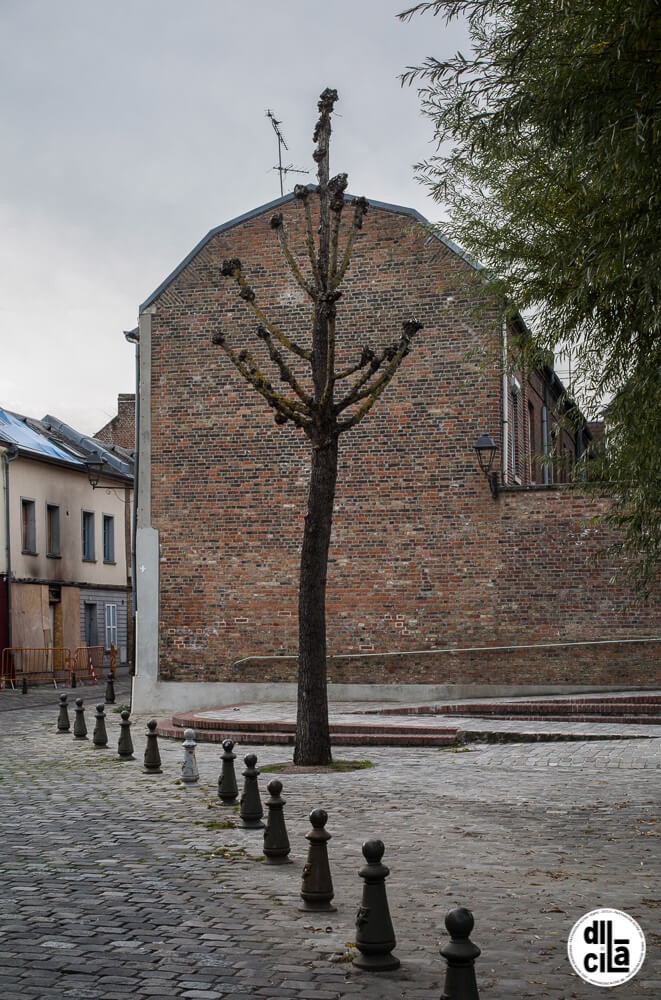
pixel 65 564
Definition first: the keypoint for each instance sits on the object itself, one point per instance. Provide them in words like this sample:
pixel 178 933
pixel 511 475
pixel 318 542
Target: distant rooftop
pixel 15 429
pixel 52 439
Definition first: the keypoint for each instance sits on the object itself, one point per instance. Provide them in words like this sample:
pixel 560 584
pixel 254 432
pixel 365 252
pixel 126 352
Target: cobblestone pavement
pixel 118 883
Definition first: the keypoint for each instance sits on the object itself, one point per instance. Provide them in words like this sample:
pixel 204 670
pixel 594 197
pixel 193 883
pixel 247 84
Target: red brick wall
pixel 121 429
pixel 422 557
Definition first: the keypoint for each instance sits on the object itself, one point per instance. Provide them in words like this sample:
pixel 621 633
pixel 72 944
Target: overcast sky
pixel 130 128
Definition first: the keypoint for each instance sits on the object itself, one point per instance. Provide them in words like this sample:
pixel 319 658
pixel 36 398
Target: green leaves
pixel 550 164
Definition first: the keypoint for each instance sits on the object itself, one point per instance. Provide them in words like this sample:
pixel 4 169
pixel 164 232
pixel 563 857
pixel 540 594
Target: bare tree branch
pixel 323 348
pixel 286 373
pixel 373 365
pixel 232 268
pixel 366 356
pixel 361 206
pixel 395 354
pixel 302 193
pixel 277 225
pixel 337 186
pixel 244 362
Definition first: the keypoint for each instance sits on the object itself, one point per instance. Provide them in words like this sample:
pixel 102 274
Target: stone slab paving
pixel 117 884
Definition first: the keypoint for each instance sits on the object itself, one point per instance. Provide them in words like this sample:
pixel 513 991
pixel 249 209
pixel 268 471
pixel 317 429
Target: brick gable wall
pixel 421 557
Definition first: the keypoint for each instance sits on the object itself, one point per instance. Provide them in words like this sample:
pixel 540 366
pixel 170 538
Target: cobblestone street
pixel 118 883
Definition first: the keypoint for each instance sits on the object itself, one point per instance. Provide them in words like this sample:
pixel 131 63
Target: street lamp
pixel 485 449
pixel 94 469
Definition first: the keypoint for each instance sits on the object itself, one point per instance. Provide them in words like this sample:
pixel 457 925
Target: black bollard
pixel 63 724
pixel 100 736
pixel 276 841
pixel 317 887
pixel 79 726
pixel 110 690
pixel 24 686
pixel 460 954
pixel 375 937
pixel 152 764
pixel 125 743
pixel 251 811
pixel 227 788
pixel 73 680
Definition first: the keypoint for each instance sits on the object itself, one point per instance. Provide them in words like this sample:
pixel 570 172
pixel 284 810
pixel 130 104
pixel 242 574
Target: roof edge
pixel 269 205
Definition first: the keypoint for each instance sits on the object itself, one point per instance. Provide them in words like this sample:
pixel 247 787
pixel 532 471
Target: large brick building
pixel 432 581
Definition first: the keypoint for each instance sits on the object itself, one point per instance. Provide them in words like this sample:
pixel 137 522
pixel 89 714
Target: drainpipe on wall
pixel 505 404
pixel 8 455
pixel 133 337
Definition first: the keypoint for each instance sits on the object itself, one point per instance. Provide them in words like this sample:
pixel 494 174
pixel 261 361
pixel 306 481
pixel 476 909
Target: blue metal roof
pixel 15 429
pixel 269 206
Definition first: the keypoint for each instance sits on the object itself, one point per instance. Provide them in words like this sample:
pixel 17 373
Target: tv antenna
pixel 291 169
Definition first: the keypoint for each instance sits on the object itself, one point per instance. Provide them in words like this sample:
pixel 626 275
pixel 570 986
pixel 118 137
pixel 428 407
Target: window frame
pixel 532 444
pixel 88 541
pixel 53 531
pixel 110 626
pixel 29 526
pixel 109 539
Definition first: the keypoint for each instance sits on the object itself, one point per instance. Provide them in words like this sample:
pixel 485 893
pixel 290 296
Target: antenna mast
pixel 282 144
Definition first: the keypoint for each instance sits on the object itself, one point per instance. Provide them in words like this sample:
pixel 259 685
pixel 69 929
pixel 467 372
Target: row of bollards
pixel 375 936
pixel 152 758
pixel 100 733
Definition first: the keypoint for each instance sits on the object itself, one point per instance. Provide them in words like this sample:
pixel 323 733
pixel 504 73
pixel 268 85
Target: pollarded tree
pixel 324 403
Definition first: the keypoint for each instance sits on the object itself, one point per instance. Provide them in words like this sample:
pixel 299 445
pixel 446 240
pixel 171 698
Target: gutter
pixel 505 419
pixel 133 337
pixel 8 455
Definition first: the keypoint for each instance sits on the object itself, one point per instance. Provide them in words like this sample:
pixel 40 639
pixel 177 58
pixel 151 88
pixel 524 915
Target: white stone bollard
pixel 189 771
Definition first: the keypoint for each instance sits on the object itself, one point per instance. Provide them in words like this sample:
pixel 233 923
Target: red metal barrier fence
pixel 50 665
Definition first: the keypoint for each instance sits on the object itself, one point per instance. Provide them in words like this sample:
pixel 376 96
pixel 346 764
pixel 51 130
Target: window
pixel 532 445
pixel 108 538
pixel 514 428
pixel 547 466
pixel 88 536
pixel 52 530
pixel 28 527
pixel 111 626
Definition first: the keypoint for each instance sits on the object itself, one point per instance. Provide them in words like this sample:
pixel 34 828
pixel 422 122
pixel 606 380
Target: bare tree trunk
pixel 319 415
pixel 312 730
